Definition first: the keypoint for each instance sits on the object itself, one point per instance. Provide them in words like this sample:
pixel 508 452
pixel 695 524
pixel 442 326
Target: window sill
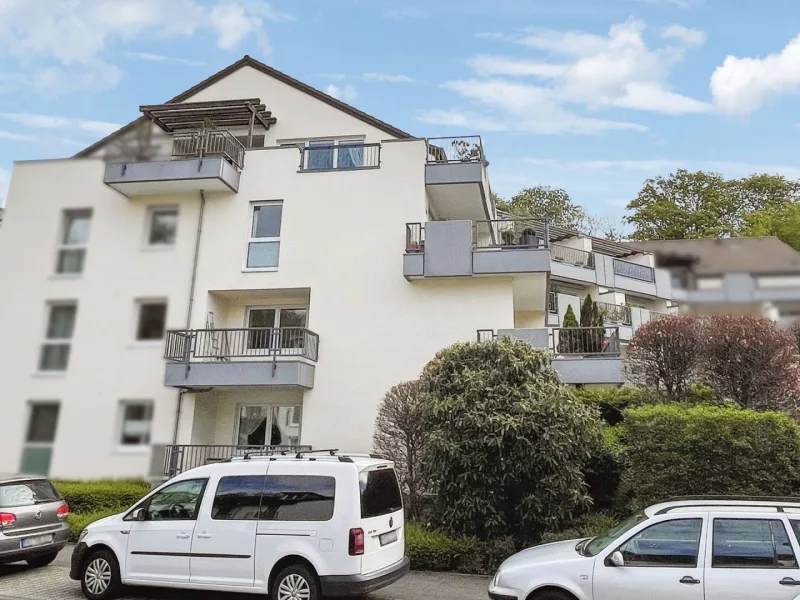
pixel 65 276
pixel 342 170
pixel 49 374
pixel 260 270
pixel 132 449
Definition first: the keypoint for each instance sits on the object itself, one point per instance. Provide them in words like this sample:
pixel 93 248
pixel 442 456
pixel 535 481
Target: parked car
pixel 296 527
pixel 33 520
pixel 685 549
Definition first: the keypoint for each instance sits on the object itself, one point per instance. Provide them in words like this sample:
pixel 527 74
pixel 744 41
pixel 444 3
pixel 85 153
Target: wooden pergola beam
pixel 231 113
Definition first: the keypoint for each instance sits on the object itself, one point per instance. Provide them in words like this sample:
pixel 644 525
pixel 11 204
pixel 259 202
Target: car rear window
pixel 27 493
pixel 380 493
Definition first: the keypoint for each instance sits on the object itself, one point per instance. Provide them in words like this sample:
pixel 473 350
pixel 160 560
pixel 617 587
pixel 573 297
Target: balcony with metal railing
pixel 274 356
pixel 633 270
pixel 455 174
pixel 319 158
pixel 180 458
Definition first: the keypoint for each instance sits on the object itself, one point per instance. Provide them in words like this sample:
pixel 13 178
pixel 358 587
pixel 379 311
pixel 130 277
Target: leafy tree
pixel 765 192
pixel 665 355
pixel 569 341
pixel 548 204
pixel 507 441
pixel 782 222
pixel 752 361
pixel 400 436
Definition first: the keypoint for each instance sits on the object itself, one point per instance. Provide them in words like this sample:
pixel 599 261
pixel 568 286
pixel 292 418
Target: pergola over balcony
pixel 180 116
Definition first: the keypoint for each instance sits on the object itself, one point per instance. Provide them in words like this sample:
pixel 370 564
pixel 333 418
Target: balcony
pixel 322 158
pixel 209 160
pixel 633 270
pixel 271 356
pixel 455 176
pixel 181 458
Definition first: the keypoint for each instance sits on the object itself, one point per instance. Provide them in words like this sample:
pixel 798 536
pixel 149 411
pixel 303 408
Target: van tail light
pixel 356 542
pixel 63 511
pixel 7 519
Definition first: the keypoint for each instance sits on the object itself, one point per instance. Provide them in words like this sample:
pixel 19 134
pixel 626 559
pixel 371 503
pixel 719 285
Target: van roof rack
pixel 331 451
pixel 723 498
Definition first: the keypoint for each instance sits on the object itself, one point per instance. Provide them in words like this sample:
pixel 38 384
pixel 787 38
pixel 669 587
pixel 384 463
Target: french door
pixel 268 425
pixel 279 330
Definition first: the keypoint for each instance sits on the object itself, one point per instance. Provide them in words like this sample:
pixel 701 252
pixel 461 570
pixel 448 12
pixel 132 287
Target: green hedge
pixel 432 551
pixel 78 522
pixel 86 497
pixel 588 527
pixel 674 450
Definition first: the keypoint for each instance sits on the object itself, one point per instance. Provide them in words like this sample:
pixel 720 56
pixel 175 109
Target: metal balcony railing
pixel 340 157
pixel 510 233
pixel 415 237
pixel 585 341
pixel 181 458
pixel 552 303
pixel 615 313
pixel 210 142
pixel 455 149
pixel 225 344
pixel 573 256
pixel 486 335
pixel 634 270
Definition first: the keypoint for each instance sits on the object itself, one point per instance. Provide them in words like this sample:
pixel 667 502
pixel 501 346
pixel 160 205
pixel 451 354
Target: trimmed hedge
pixel 78 522
pixel 86 497
pixel 673 450
pixel 432 551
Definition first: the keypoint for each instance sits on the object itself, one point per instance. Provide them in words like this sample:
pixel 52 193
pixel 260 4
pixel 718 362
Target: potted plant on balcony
pixel 569 336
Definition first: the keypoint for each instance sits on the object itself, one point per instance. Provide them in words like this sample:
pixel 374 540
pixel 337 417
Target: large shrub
pixel 85 497
pixel 665 355
pixel 611 401
pixel 400 436
pixel 507 441
pixel 674 450
pixel 752 361
pixel 430 550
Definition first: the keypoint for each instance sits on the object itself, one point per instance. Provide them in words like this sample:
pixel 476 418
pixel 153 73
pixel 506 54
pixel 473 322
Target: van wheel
pixel 295 582
pixel 100 576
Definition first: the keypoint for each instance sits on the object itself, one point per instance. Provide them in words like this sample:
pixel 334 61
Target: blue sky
pixel 593 96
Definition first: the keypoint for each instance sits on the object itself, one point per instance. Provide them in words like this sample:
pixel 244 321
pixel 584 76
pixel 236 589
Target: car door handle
pixel 204 536
pixel 183 536
pixel 789 581
pixel 690 580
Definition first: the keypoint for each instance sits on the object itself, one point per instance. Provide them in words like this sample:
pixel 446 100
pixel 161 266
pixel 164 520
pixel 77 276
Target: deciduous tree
pixel 546 203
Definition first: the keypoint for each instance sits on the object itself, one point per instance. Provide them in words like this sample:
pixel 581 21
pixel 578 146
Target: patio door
pixel 280 330
pixel 268 425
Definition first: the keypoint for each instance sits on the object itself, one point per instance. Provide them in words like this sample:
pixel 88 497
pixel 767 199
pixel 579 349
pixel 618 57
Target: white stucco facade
pixel 341 261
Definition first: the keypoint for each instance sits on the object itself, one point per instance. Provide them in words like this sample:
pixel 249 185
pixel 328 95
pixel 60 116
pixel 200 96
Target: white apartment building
pixel 255 264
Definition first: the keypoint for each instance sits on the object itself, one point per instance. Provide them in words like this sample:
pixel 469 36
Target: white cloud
pixel 147 56
pixel 64 45
pixel 386 77
pixel 17 137
pixel 345 94
pixel 690 37
pixel 576 69
pixel 404 13
pixel 56 122
pixel 741 86
pixel 465 120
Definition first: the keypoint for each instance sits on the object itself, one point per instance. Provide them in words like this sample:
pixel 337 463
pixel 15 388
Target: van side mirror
pixel 616 559
pixel 139 514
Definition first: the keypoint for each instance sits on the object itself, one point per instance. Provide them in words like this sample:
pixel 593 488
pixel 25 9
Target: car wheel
pixel 100 576
pixel 295 582
pixel 42 560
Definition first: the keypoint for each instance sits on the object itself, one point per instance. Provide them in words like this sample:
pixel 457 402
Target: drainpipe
pixel 189 310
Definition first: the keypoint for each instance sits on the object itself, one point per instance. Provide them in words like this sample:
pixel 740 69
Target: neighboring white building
pixel 177 293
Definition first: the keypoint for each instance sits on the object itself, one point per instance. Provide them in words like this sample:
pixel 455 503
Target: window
pixel 137 419
pixel 152 319
pixel 350 155
pixel 278 328
pixel 27 493
pixel 162 226
pixel 324 155
pixel 74 237
pixel 238 498
pixel 177 502
pixel 60 326
pixel 380 493
pixel 37 451
pixel 753 544
pixel 263 246
pixel 597 544
pixel 268 425
pixel 297 498
pixel 666 544
pixel 320 155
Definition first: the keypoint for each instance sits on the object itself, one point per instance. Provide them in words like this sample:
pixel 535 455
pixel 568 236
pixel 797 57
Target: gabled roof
pixel 248 61
pixel 757 255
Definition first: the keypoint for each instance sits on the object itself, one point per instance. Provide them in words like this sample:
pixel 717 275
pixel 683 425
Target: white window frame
pixel 66 214
pixel 241 405
pixel 307 144
pixel 48 341
pixel 275 324
pixel 119 429
pixel 152 211
pixel 138 304
pixel 251 239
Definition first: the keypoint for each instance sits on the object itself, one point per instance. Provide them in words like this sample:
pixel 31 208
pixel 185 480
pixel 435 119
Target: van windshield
pixel 27 493
pixel 380 493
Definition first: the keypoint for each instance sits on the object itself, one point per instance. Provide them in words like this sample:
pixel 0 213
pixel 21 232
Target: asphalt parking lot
pixel 19 582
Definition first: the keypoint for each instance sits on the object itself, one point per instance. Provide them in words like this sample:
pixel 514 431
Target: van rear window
pixel 27 493
pixel 380 493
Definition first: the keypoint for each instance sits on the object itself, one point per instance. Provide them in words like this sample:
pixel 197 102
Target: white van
pixel 297 527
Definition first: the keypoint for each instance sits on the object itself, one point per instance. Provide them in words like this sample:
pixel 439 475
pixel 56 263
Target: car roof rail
pixel 725 498
pixel 331 451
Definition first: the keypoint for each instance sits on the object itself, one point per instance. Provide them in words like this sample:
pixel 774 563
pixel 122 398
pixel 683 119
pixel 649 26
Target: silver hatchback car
pixel 33 520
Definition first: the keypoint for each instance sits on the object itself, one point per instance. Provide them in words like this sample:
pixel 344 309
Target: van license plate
pixel 39 540
pixel 388 538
